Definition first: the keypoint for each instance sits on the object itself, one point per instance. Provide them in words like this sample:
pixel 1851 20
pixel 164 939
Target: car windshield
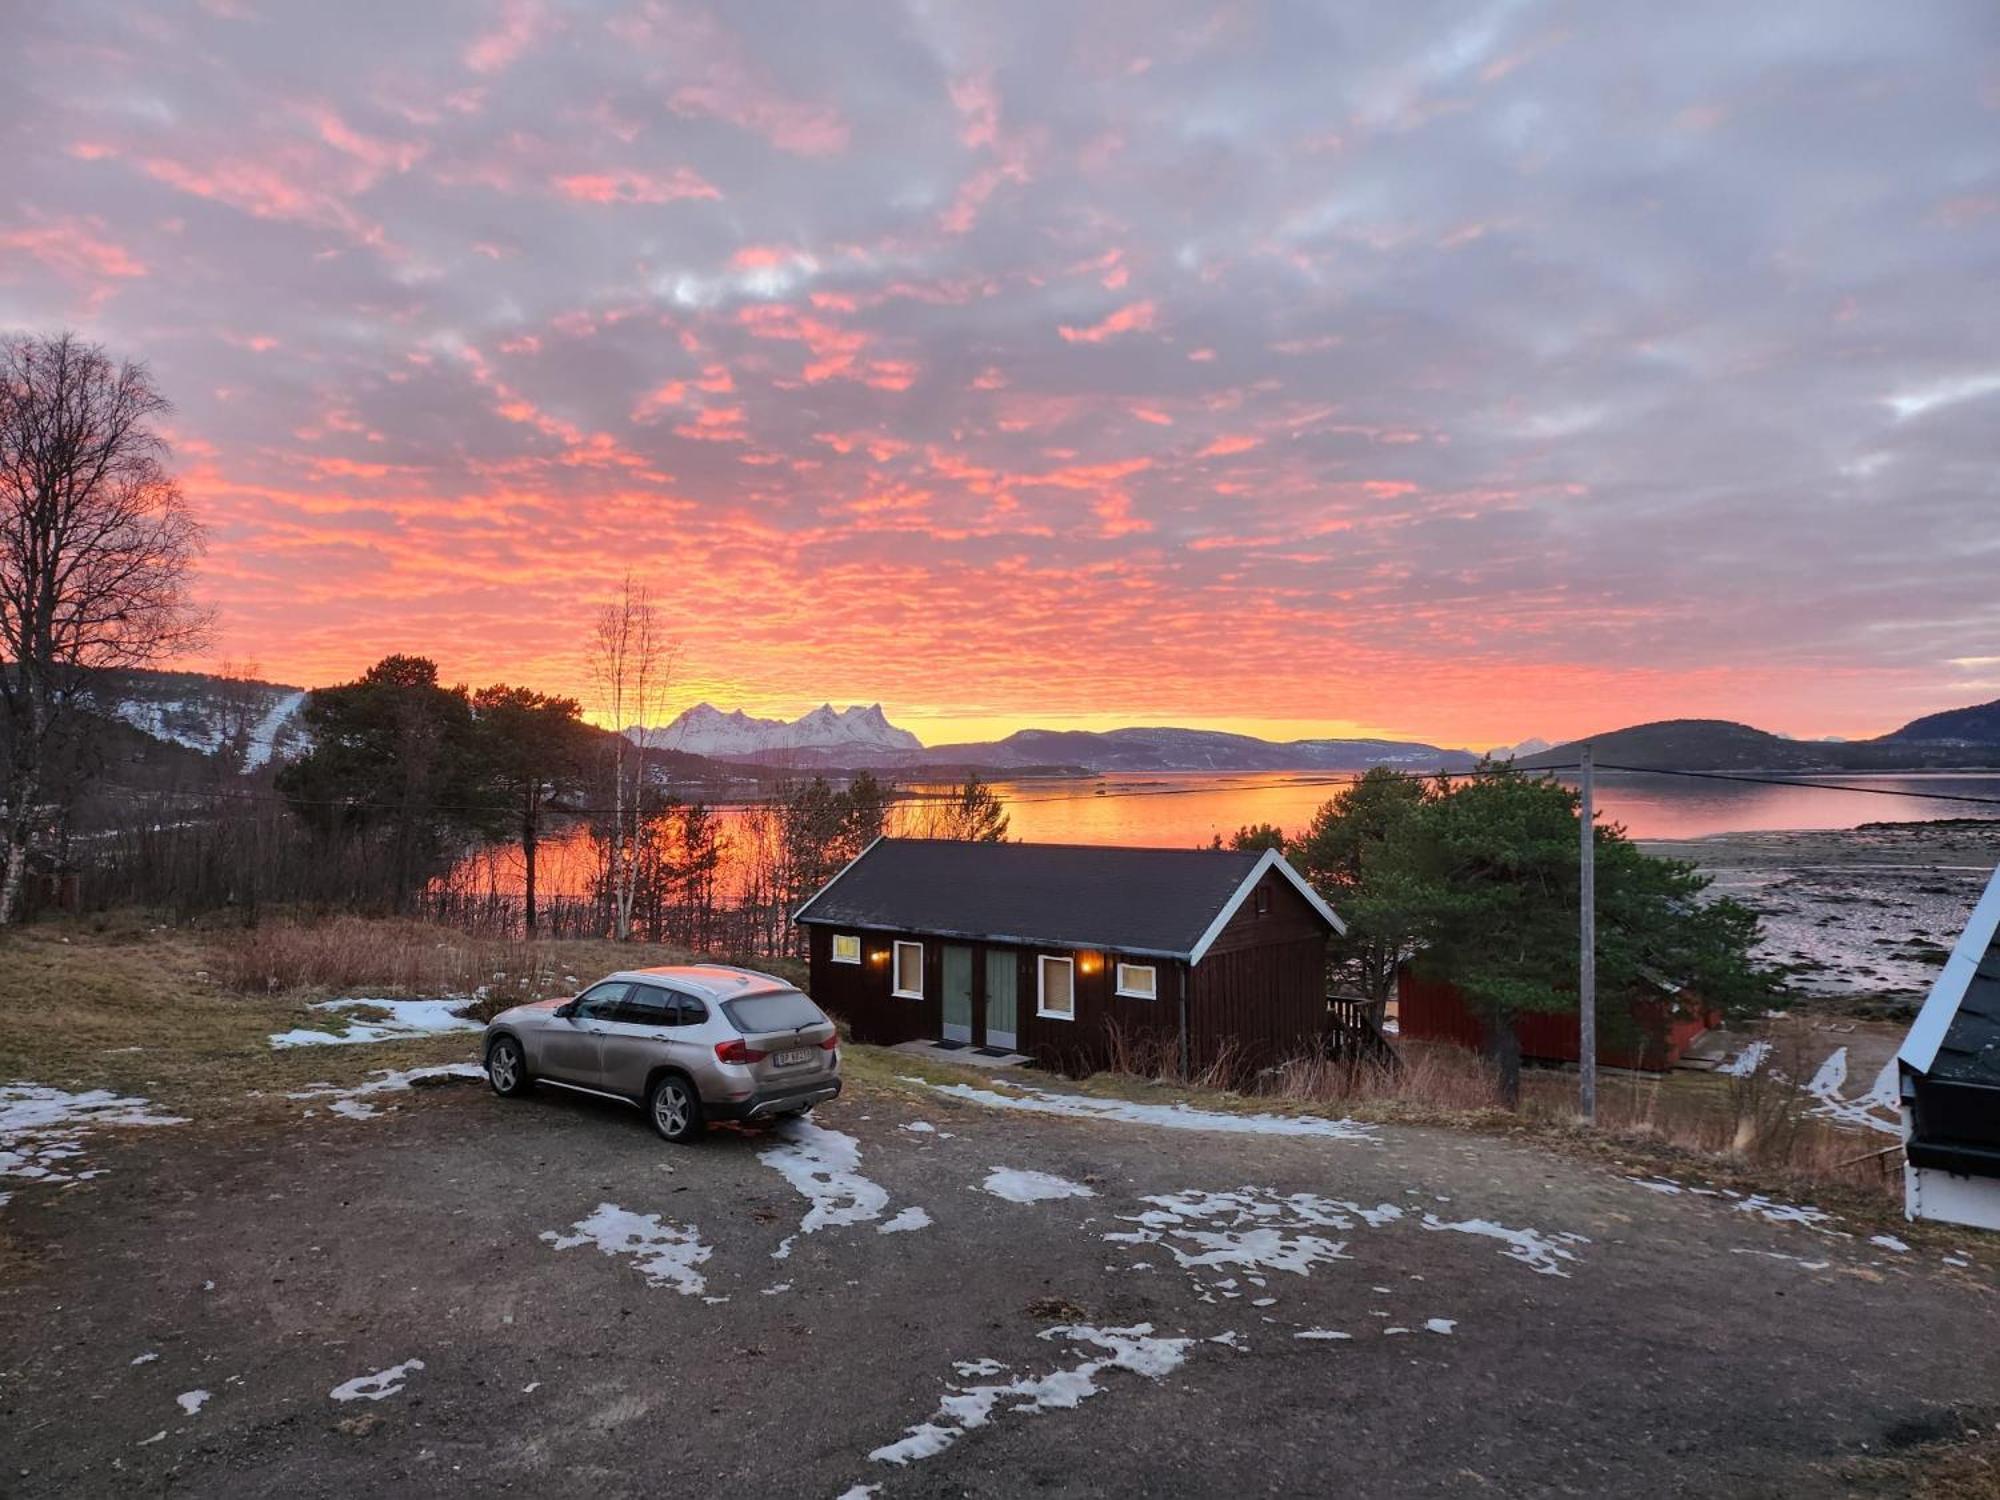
pixel 786 1010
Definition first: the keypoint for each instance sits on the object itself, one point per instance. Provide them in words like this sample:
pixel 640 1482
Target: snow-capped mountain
pixel 707 730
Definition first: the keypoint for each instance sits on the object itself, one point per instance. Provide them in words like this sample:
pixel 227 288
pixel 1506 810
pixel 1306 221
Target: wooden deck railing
pixel 1354 1027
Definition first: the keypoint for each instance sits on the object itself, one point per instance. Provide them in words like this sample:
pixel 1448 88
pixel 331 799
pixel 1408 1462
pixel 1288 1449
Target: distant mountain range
pixel 1959 737
pixel 852 738
pixel 1166 749
pixel 203 713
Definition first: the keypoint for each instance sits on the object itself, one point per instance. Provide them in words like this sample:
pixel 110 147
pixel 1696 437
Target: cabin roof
pixel 1956 1036
pixel 1165 903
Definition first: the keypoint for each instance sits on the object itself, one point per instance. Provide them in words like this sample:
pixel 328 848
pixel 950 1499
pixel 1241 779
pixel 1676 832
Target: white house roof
pixel 1957 1032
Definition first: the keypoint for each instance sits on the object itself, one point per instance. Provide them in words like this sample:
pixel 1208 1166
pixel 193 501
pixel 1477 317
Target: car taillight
pixel 738 1052
pixel 830 1043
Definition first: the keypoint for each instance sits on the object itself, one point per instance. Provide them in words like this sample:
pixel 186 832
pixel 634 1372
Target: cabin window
pixel 1139 981
pixel 1056 988
pixel 1263 899
pixel 909 971
pixel 847 948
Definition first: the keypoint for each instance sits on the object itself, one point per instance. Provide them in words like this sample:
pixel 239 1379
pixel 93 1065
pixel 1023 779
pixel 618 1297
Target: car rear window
pixel 787 1010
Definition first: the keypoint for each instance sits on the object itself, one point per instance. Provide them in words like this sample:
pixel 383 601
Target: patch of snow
pixel 825 1165
pixel 1664 1185
pixel 1542 1254
pixel 1889 1242
pixel 1248 1230
pixel 859 1491
pixel 968 1407
pixel 668 1254
pixel 968 1367
pixel 42 1129
pixel 777 1289
pixel 1806 1265
pixel 192 1401
pixel 406 1018
pixel 1440 1325
pixel 1831 1079
pixel 145 1359
pixel 1772 1211
pixel 1162 1116
pixel 157 1437
pixel 909 1218
pixel 920 1127
pixel 374 1387
pixel 1321 1333
pixel 1019 1185
pixel 1748 1061
pixel 531 1387
pixel 265 732
pixel 353 1102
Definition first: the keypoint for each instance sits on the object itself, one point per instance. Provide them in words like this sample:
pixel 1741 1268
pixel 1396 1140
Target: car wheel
pixel 675 1109
pixel 506 1068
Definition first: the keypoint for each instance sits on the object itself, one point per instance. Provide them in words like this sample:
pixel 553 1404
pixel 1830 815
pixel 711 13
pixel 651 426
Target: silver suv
pixel 689 1044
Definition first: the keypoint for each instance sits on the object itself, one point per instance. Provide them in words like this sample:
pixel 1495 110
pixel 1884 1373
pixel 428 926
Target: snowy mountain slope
pixel 207 713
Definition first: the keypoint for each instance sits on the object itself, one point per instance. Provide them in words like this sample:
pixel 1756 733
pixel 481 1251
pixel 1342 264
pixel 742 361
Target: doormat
pixel 948 1045
pixel 994 1051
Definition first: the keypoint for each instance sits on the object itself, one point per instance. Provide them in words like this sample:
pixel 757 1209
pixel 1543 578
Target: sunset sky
pixel 1459 372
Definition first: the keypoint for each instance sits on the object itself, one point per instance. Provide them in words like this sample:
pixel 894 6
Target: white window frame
pixel 1150 970
pixel 1042 962
pixel 896 971
pixel 853 957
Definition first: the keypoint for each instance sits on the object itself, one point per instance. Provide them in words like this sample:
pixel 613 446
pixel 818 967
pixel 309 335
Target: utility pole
pixel 1586 972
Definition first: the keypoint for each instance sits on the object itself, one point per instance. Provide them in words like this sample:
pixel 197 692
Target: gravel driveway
pixel 465 1294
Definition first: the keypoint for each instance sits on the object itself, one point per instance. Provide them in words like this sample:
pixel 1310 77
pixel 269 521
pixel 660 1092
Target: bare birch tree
pixel 631 664
pixel 95 548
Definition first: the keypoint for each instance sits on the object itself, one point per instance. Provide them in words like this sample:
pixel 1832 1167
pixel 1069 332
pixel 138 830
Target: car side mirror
pixel 567 1009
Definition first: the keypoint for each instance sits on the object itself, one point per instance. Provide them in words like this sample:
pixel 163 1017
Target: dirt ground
pixel 1686 1344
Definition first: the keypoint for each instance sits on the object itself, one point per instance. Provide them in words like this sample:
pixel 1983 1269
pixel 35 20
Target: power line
pixel 1821 786
pixel 1345 779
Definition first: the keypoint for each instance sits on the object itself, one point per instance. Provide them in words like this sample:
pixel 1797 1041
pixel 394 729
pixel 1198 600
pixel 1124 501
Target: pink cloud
pixel 978 107
pixel 1136 317
pixel 1228 443
pixel 75 249
pixel 499 49
pixel 626 185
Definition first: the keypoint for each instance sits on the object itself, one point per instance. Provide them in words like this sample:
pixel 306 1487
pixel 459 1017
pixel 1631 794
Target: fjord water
pixel 1185 809
pixel 1188 809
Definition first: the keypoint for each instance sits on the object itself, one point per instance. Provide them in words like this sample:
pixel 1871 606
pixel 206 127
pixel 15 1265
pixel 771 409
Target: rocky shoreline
pixel 1865 915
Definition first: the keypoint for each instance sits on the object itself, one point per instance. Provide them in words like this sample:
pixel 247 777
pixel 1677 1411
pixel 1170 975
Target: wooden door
pixel 1002 970
pixel 956 990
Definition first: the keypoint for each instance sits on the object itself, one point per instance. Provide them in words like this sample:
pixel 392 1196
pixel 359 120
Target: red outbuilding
pixel 1655 1031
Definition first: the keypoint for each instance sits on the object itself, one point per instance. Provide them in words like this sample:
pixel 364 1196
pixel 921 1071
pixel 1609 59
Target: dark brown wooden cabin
pixel 1052 949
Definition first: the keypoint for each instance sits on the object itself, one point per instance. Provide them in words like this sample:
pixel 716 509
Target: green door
pixel 1001 970
pixel 957 994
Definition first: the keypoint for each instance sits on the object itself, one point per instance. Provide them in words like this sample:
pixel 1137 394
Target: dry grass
pixel 185 1017
pixel 1757 1130
pixel 404 958
pixel 1955 1458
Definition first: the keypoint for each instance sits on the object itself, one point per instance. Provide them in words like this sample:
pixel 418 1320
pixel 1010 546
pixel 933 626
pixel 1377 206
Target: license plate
pixel 793 1058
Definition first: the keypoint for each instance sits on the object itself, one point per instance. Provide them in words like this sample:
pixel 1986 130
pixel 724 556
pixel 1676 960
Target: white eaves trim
pixel 807 906
pixel 1919 1049
pixel 1272 859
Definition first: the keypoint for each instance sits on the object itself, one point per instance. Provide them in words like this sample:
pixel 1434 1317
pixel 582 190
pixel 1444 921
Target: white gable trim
pixel 800 913
pixel 1272 860
pixel 1920 1047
